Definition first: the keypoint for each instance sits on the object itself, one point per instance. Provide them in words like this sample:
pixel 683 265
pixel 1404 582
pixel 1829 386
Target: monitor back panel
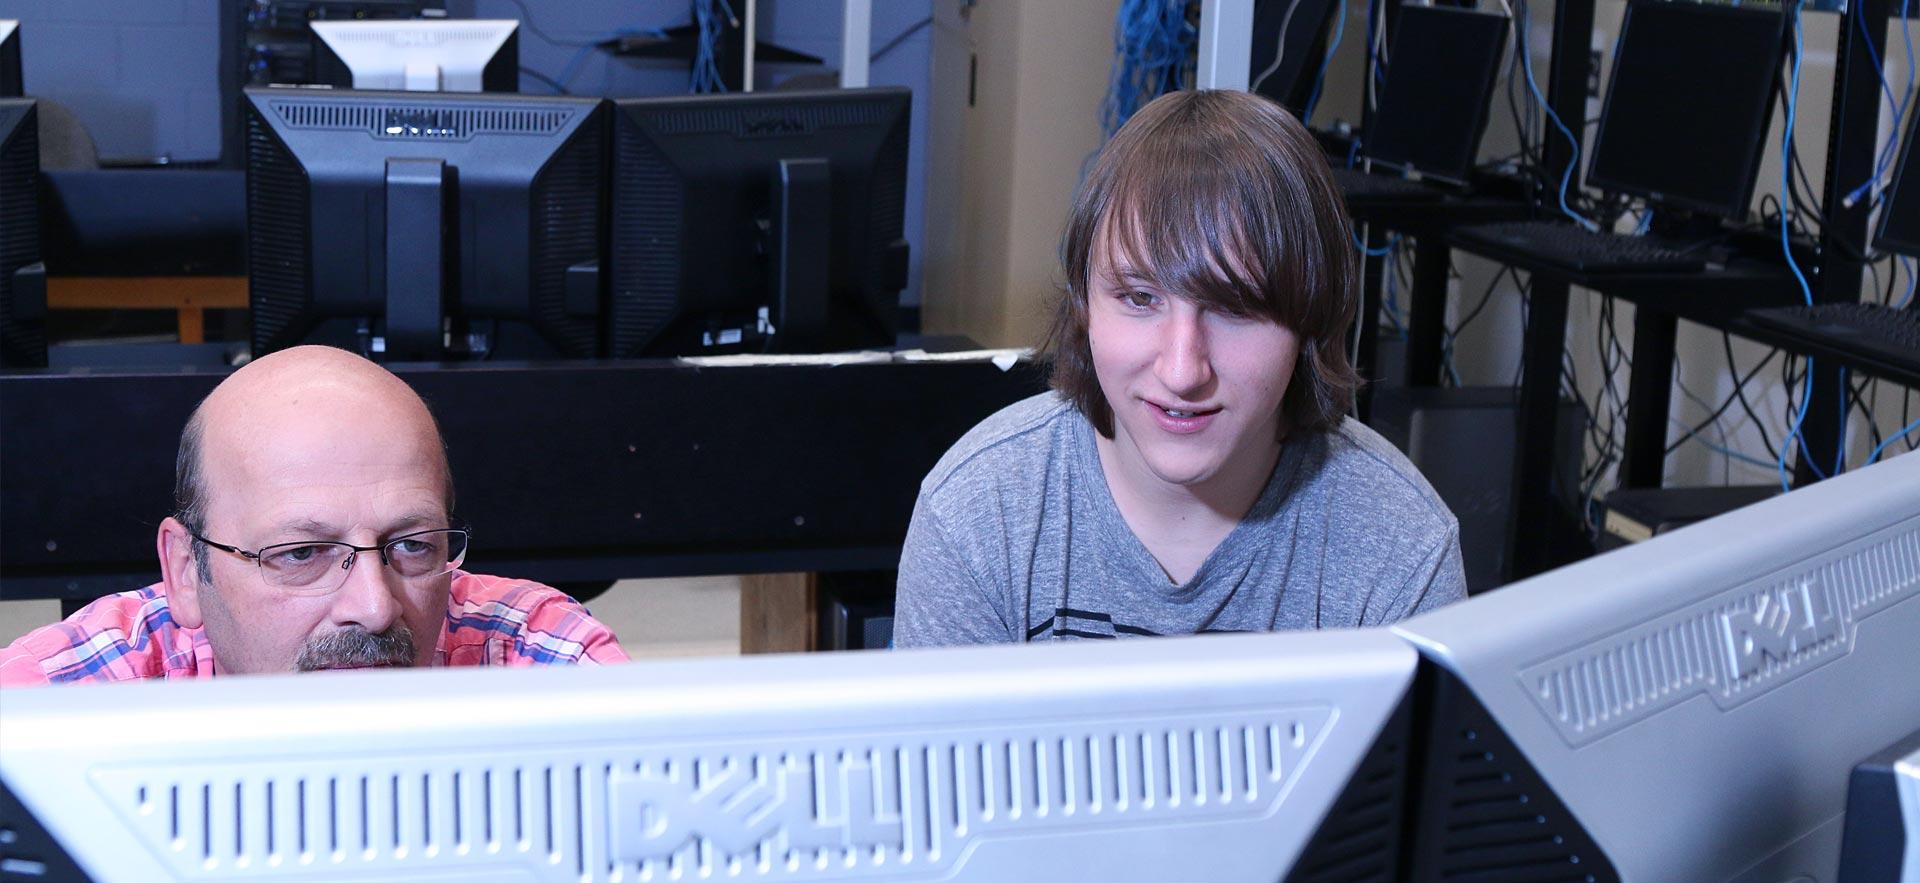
pixel 1698 700
pixel 527 172
pixel 1093 760
pixel 23 341
pixel 692 195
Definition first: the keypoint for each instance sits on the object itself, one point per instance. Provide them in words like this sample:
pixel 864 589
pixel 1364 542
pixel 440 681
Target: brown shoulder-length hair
pixel 1224 198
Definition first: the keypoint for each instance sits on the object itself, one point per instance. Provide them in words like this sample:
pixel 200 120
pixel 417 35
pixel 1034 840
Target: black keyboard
pixel 1565 245
pixel 1359 186
pixel 1881 333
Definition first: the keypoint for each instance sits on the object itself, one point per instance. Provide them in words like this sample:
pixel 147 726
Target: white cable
pixel 1280 46
pixel 1380 57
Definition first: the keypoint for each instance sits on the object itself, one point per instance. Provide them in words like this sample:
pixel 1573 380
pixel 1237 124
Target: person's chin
pixel 1183 471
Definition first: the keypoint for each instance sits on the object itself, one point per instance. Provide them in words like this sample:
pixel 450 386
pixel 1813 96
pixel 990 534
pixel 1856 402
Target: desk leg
pixel 1366 349
pixel 1427 310
pixel 1649 398
pixel 1531 526
pixel 778 612
pixel 193 324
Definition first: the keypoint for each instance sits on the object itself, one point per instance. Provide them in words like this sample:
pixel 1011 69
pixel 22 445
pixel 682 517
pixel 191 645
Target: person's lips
pixel 1180 418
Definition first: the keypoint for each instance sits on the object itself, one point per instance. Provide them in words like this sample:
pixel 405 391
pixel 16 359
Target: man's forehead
pixel 277 508
pixel 302 524
pixel 260 463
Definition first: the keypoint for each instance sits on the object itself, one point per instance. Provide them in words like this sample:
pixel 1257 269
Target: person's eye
pixel 295 555
pixel 412 547
pixel 1137 300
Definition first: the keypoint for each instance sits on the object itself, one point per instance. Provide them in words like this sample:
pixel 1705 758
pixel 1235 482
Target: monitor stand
pixel 1680 226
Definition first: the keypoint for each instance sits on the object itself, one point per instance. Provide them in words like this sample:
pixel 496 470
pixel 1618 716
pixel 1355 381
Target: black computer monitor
pixel 1900 216
pixel 1289 50
pixel 23 292
pixel 1433 106
pixel 10 78
pixel 1688 106
pixel 414 226
pixel 758 222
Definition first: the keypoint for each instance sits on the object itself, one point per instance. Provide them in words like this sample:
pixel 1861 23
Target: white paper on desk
pixel 864 357
pixel 1004 359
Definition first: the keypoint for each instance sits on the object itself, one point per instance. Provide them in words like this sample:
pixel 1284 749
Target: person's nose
pixel 1185 365
pixel 368 598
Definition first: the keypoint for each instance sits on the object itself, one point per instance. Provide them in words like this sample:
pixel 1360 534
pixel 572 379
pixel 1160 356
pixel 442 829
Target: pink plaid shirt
pixel 490 621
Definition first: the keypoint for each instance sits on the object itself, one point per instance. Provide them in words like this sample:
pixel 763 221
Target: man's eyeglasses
pixel 318 567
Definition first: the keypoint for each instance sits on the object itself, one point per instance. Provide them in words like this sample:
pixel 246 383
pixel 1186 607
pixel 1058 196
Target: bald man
pixel 313 530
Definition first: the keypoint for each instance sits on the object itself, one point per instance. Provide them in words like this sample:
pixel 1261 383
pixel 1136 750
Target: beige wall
pixel 1003 170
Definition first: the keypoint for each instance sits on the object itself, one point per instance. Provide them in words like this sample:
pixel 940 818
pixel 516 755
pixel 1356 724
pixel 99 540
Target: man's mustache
pixel 358 648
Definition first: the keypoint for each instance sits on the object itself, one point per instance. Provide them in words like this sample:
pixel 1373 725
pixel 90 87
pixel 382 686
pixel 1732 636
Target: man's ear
pixel 178 573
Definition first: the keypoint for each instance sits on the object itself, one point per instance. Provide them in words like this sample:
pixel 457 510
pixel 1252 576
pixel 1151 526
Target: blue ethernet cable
pixel 1786 168
pixel 1909 429
pixel 1573 162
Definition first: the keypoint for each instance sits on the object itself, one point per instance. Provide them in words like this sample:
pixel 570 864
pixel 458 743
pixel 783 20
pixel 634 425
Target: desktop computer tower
pixel 1462 440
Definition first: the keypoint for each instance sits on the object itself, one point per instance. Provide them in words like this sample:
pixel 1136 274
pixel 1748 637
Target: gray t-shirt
pixel 1016 537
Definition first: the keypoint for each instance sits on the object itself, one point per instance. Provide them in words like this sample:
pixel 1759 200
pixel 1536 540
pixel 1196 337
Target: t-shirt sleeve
pixel 1438 578
pixel 941 599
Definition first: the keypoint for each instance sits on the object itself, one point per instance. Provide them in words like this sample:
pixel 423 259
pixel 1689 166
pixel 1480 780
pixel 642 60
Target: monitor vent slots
pixel 567 236
pixel 19 243
pixel 382 819
pixel 419 37
pixel 774 807
pixel 1486 815
pixel 420 120
pixel 647 237
pixel 279 280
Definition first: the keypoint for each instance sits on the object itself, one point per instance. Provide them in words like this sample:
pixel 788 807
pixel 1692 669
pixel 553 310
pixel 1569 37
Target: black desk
pixel 1714 297
pixel 144 222
pixel 568 471
pixel 1852 360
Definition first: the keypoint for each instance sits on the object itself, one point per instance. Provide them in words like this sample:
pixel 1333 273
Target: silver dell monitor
pixel 1222 757
pixel 1686 708
pixel 418 55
